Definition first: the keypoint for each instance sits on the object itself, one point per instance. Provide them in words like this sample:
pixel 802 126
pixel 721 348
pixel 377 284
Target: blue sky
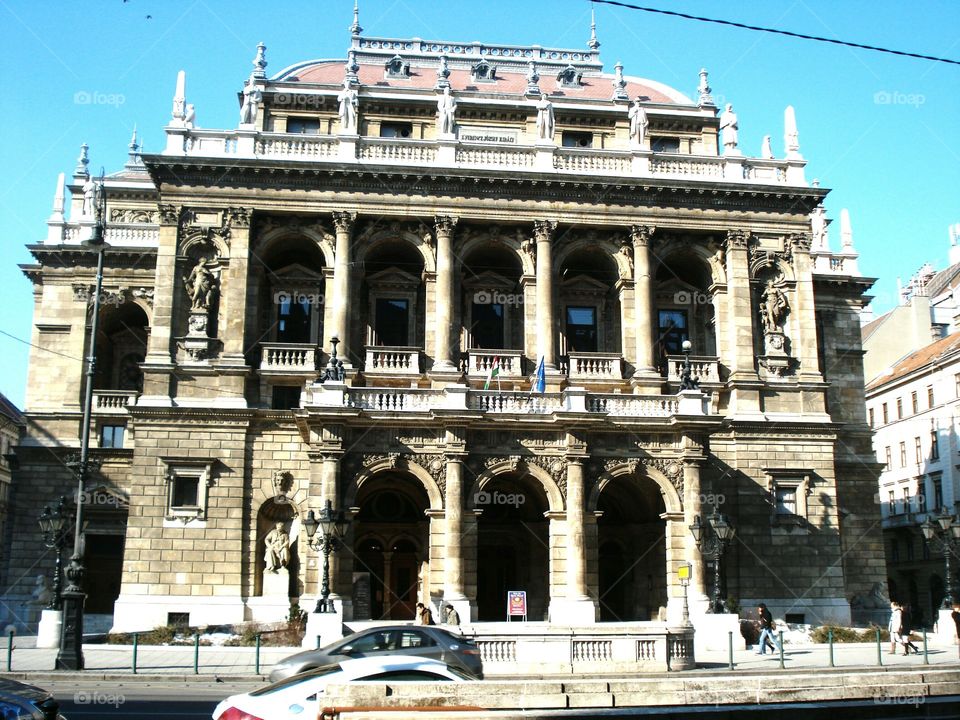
pixel 881 131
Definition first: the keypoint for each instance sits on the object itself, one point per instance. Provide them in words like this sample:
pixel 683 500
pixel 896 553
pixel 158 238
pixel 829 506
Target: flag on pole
pixel 539 379
pixel 494 373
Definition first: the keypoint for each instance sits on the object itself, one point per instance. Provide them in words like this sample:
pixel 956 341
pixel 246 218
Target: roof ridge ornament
pixel 443 74
pixel 260 61
pixel 533 79
pixel 704 90
pixel 352 68
pixel 619 84
pixel 593 43
pixel 355 28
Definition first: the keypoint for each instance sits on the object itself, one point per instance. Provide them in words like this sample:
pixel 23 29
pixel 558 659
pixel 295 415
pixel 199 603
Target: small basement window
pixel 396 130
pixel 577 139
pixel 178 619
pixel 795 619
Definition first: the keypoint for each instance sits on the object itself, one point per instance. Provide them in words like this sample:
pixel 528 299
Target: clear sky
pixel 881 131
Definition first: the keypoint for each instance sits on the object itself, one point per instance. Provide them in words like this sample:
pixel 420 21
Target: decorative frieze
pixel 134 216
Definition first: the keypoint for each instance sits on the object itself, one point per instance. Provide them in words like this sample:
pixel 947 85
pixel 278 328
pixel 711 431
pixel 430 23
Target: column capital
pixel 543 230
pixel 445 224
pixel 737 239
pixel 169 214
pixel 801 242
pixel 238 217
pixel 641 234
pixel 344 221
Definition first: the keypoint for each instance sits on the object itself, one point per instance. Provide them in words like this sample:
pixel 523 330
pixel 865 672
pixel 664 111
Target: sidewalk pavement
pixel 238 662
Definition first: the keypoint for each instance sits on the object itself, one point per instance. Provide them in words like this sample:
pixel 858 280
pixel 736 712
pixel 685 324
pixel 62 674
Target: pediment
pixel 392 277
pixel 489 279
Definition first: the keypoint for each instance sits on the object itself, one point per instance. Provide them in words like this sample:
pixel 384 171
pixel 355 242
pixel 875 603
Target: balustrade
pixel 595 366
pixel 392 361
pixel 704 369
pixel 114 402
pixel 288 357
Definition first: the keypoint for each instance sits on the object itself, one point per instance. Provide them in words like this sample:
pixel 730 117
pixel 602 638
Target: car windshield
pixel 296 679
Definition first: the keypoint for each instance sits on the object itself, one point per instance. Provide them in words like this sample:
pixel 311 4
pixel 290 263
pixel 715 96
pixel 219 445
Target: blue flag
pixel 539 378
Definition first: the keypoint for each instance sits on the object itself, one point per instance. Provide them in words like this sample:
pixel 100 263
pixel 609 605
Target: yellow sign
pixel 684 572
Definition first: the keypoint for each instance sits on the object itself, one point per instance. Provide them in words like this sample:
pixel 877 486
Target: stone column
pixel 543 231
pixel 691 508
pixel 643 300
pixel 235 286
pixel 453 579
pixel 745 394
pixel 805 321
pixel 445 301
pixel 576 550
pixel 344 223
pixel 158 363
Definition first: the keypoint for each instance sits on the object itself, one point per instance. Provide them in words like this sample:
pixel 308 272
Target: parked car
pixel 296 697
pixel 420 640
pixel 19 701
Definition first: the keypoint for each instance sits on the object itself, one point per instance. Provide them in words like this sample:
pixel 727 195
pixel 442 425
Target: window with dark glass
pixel 930 396
pixel 186 491
pixel 934 441
pixel 665 144
pixel 903 454
pixel 391 321
pixel 396 130
pixel 672 331
pixel 886 415
pixel 892 502
pixel 303 126
pixel 111 436
pixel 581 329
pixel 293 318
pixel 487 330
pixel 918 450
pixel 577 139
pixel 872 424
pixel 937 492
pixel 914 403
pixel 889 460
pixel 786 500
pixel 899 408
pixel 285 397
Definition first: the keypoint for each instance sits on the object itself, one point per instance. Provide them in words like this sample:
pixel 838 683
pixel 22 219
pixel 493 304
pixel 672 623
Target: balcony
pixel 392 361
pixel 704 369
pixel 113 402
pixel 594 366
pixel 288 359
pixel 479 363
pixel 494 401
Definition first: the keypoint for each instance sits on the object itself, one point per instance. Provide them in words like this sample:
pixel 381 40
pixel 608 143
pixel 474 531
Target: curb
pixel 44 676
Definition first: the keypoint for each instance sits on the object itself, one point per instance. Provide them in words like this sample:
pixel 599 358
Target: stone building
pixel 453 214
pixel 11 428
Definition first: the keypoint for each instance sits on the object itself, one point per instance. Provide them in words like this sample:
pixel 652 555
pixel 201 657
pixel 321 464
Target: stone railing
pixel 114 402
pixel 288 357
pixel 446 153
pixel 297 147
pixel 705 369
pixel 116 234
pixel 494 401
pixel 392 361
pixel 395 399
pixel 403 152
pixel 595 366
pixel 633 405
pixel 479 363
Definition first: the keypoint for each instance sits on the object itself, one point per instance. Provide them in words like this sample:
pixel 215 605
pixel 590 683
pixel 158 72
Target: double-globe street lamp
pixel 944 536
pixel 712 538
pixel 333 527
pixel 55 524
pixel 70 654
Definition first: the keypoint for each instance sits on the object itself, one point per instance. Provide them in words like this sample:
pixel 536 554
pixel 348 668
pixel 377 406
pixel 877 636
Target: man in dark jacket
pixel 906 621
pixel 766 630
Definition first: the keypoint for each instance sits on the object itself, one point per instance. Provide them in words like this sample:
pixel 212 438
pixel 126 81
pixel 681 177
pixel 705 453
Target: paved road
pixel 138 700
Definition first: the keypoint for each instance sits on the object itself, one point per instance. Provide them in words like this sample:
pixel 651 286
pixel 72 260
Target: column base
pixel 442 376
pixel 573 611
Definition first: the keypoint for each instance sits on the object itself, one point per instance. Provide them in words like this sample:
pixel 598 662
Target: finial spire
pixel 355 29
pixel 619 84
pixel 704 89
pixel 443 74
pixel 260 61
pixel 593 43
pixel 83 162
pixel 846 231
pixel 58 199
pixel 133 155
pixel 791 138
pixel 179 99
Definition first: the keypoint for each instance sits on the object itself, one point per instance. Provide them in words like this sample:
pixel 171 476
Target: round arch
pixel 267 241
pixel 671 496
pixel 422 246
pixel 512 244
pixel 555 502
pixel 411 467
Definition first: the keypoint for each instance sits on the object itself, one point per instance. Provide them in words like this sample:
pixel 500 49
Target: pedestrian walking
pixel 424 615
pixel 893 626
pixel 451 616
pixel 906 620
pixel 767 626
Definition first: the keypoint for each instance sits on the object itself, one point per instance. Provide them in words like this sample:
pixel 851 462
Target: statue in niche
pixel 201 287
pixel 349 102
pixel 627 253
pixel 278 549
pixel 446 112
pixel 638 123
pixel 773 307
pixel 545 119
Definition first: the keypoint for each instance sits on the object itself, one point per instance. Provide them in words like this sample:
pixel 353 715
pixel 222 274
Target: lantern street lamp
pixel 333 526
pixel 687 382
pixel 712 538
pixel 944 536
pixel 334 371
pixel 70 654
pixel 56 525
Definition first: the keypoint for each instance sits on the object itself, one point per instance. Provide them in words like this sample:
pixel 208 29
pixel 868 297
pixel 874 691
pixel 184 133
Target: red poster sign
pixel 516 603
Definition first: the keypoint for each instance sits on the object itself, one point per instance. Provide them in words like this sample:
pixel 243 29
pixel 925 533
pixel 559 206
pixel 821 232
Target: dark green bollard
pixel 256 661
pixel 136 637
pixel 780 635
pixel 9 650
pixel 926 660
pixel 879 649
pixel 830 646
pixel 730 646
pixel 196 654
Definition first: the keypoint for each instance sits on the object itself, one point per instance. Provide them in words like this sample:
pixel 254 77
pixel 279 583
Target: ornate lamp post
pixel 333 526
pixel 944 536
pixel 687 382
pixel 712 538
pixel 334 371
pixel 70 655
pixel 55 526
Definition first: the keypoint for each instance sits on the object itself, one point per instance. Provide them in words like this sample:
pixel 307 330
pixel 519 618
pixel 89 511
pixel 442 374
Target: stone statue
pixel 638 123
pixel 278 549
pixel 349 102
pixel 41 595
pixel 766 150
pixel 818 227
pixel 773 308
pixel 252 96
pixel 446 111
pixel 545 118
pixel 89 197
pixel 201 287
pixel 729 125
pixel 190 116
pixel 627 253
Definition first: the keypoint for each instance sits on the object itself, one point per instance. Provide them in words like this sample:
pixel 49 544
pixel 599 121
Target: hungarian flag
pixel 494 373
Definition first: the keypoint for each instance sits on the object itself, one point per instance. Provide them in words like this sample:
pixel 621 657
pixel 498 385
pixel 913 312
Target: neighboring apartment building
pixel 11 428
pixel 454 214
pixel 914 409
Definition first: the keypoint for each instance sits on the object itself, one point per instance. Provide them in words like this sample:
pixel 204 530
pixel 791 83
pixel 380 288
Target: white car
pixel 296 697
